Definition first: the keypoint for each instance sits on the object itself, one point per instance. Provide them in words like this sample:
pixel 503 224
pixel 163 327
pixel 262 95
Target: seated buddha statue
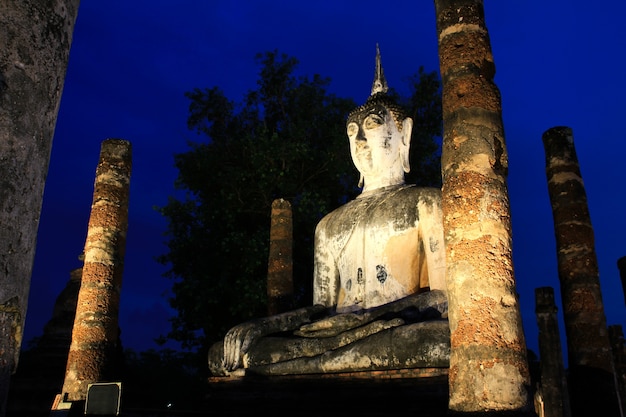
pixel 379 293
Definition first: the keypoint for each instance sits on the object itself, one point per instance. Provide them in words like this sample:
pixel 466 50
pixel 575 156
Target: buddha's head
pixel 380 136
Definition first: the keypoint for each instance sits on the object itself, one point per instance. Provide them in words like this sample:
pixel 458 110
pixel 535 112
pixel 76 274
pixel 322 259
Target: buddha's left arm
pixel 431 225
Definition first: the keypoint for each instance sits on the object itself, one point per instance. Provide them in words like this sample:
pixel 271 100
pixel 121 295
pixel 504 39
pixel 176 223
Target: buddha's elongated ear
pixel 407 128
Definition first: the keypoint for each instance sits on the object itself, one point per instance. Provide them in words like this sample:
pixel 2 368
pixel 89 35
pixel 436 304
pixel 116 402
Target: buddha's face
pixel 375 142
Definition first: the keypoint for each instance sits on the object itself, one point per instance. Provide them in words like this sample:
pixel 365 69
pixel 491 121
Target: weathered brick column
pixel 280 263
pixel 588 346
pixel 488 361
pixel 35 39
pixel 93 351
pixel 553 380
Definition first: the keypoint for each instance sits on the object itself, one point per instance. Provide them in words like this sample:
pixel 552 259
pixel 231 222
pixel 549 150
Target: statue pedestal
pixel 422 391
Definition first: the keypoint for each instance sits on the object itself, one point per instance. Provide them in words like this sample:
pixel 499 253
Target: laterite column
pixel 589 350
pixel 35 40
pixel 94 348
pixel 488 361
pixel 280 263
pixel 553 380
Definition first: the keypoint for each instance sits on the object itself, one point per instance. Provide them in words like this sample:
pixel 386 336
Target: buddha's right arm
pixel 289 320
pixel 238 340
pixel 426 304
pixel 325 272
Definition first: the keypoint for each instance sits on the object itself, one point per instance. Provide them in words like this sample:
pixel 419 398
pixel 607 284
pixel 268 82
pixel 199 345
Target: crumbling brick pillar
pixel 488 361
pixel 35 39
pixel 94 348
pixel 553 380
pixel 280 264
pixel 588 346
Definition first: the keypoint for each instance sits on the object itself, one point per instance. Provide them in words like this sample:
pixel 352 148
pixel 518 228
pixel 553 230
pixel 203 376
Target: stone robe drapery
pixel 380 247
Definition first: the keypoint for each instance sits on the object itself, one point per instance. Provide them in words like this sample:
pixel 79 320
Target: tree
pixel 286 140
pixel 424 107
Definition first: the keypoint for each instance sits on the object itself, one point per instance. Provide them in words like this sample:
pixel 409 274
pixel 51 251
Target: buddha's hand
pixel 237 342
pixel 333 325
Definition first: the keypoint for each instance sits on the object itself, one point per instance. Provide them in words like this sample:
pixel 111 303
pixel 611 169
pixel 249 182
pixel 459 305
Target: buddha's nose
pixel 360 135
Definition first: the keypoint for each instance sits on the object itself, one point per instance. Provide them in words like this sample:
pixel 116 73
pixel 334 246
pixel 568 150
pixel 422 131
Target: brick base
pixel 385 374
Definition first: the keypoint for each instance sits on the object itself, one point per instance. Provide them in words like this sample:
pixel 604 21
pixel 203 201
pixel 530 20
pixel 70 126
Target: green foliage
pixel 424 107
pixel 286 140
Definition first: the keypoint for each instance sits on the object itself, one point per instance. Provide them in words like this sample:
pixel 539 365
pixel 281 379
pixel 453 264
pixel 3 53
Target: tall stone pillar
pixel 553 380
pixel 95 338
pixel 588 346
pixel 280 264
pixel 35 39
pixel 488 362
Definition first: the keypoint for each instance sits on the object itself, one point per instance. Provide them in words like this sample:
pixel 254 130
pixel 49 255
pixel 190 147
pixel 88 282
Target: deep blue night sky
pixel 558 63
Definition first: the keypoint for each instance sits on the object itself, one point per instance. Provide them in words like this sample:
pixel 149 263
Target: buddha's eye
pixel 353 129
pixel 373 121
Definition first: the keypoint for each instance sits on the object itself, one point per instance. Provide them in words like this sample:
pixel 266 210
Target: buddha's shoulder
pixel 409 195
pixel 387 200
pixel 424 194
